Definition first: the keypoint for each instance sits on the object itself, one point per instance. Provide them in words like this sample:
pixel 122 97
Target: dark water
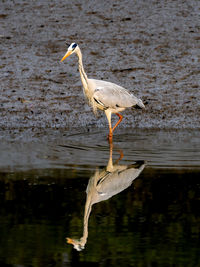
pixel 133 204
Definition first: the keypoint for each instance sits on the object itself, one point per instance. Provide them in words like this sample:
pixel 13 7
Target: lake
pixel 74 200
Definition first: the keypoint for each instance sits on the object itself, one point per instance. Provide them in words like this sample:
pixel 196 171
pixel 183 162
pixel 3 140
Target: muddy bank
pixel 149 47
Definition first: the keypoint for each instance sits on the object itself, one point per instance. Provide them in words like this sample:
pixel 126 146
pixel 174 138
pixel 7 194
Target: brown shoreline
pixel 151 48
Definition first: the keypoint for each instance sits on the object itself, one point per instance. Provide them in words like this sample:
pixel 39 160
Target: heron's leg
pixel 120 158
pixel 120 119
pixel 108 115
pixel 110 136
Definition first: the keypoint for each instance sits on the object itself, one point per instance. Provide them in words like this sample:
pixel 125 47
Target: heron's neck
pixel 83 75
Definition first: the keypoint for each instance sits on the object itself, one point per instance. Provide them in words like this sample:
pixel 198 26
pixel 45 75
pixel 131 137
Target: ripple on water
pixel 159 148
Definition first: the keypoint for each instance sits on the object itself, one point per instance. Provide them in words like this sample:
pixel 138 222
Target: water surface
pixel 133 204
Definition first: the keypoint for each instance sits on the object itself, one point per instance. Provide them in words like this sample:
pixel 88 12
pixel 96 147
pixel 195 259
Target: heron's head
pixel 78 244
pixel 71 49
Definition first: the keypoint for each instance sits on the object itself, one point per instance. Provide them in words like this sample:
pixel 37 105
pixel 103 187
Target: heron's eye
pixel 74 46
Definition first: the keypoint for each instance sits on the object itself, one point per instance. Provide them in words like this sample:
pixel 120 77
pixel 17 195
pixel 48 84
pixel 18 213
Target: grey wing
pixel 121 178
pixel 111 95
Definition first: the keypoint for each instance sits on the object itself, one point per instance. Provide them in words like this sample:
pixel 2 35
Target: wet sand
pixel 149 47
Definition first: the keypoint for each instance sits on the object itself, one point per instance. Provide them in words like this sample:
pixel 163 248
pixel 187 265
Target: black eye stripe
pixel 74 46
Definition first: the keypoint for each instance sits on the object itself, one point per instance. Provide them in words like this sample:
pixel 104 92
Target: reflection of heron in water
pixel 103 95
pixel 102 186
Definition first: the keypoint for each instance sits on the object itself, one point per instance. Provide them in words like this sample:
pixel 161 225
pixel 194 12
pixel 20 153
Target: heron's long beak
pixel 66 55
pixel 70 241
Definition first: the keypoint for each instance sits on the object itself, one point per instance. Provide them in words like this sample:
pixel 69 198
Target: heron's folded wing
pixel 113 96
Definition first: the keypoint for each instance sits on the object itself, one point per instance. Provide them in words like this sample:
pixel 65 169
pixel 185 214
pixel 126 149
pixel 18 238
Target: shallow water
pixel 142 210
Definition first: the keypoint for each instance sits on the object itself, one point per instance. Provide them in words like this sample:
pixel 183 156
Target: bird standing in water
pixel 103 95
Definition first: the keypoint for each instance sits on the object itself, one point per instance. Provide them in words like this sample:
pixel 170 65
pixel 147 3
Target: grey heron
pixel 103 95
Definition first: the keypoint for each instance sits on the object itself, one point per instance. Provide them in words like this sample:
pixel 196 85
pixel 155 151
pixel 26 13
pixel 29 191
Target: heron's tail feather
pixel 139 104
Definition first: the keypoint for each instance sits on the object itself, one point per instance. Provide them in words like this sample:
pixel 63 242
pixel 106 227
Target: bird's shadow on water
pixel 104 184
